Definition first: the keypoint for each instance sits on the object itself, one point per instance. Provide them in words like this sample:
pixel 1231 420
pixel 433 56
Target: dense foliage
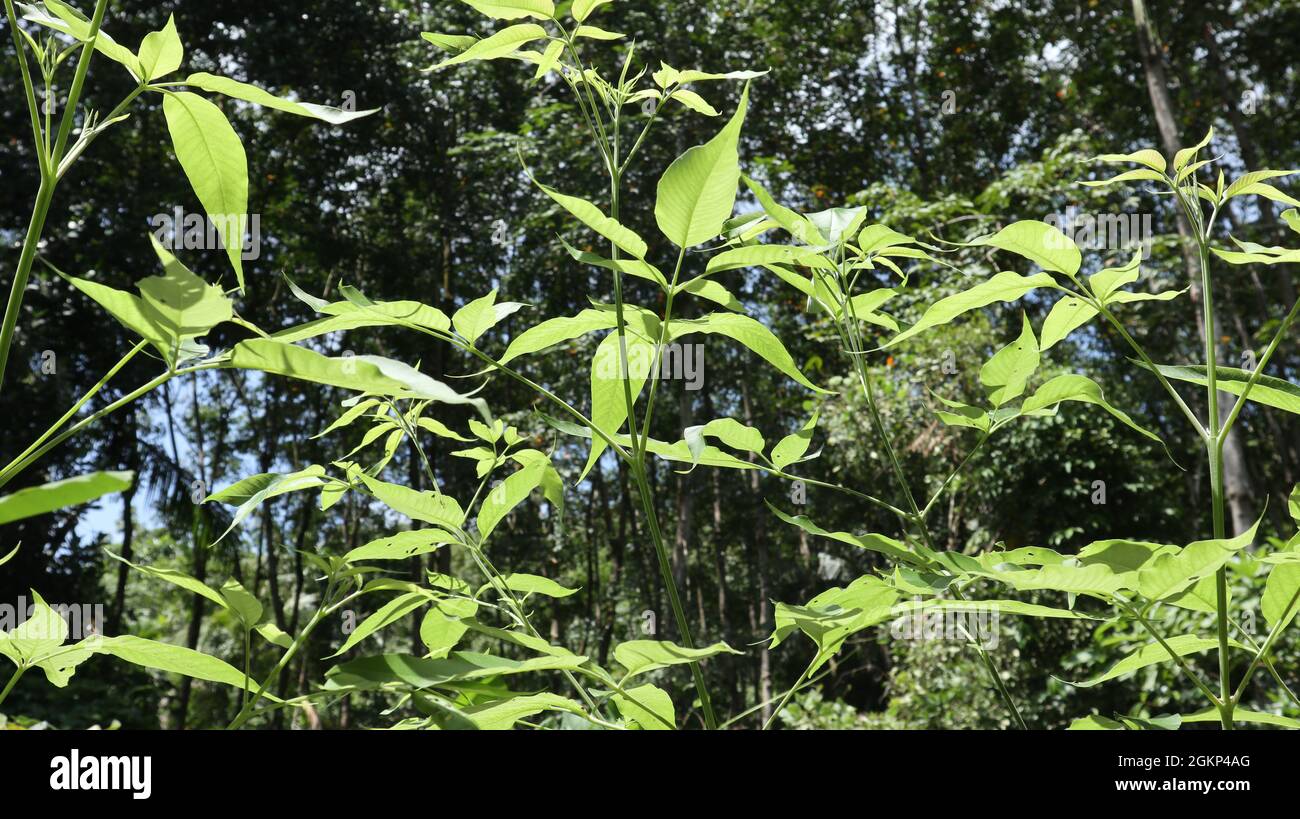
pixel 919 392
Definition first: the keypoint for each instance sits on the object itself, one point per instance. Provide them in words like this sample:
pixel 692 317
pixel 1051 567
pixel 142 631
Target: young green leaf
pixel 1007 372
pixel 697 193
pixel 161 51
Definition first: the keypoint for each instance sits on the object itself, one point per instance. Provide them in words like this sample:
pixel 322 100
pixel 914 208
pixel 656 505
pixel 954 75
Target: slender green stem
pixel 1182 664
pixel 807 672
pixel 72 411
pixel 1258 371
pixel 9 686
pixel 33 109
pixel 21 463
pixel 1282 622
pixel 41 209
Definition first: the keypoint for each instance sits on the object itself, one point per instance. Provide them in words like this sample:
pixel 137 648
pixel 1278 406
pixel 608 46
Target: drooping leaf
pixel 1005 286
pixel 1078 388
pixel 501 44
pixel 401 545
pixel 258 96
pixel 1039 242
pixel 214 161
pixel 1269 391
pixel 177 578
pixel 751 333
pixel 640 656
pixel 1153 653
pixel 792 447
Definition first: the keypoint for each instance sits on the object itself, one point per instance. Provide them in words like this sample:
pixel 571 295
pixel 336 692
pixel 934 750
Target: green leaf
pixel 596 33
pixel 1140 174
pixel 647 707
pixel 259 96
pixel 239 600
pixel 161 51
pixel 1172 572
pixel 401 545
pixel 1078 388
pixel 536 584
pixel 507 495
pixel 608 402
pixel 174 660
pixel 391 612
pixel 1007 372
pixel 438 509
pixel 514 9
pixel 180 304
pixel 792 447
pixel 871 542
pixel 697 194
pixel 252 492
pixel 696 103
pixel 455 43
pixel 1211 714
pixel 593 217
pixel 1154 653
pixel 1039 242
pixel 1279 603
pixel 582 9
pixel 481 315
pixel 501 44
pixel 502 716
pixel 214 161
pixel 1186 155
pixel 177 578
pixel 557 330
pixel 70 21
pixel 37 636
pixel 50 497
pixel 1269 391
pixel 445 624
pixel 1292 504
pixel 727 430
pixel 1067 315
pixel 415 672
pixel 1005 286
pixel 759 255
pixel 640 656
pixel 751 333
pixel 795 224
pixel 1152 159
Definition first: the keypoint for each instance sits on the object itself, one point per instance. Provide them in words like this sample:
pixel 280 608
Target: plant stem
pixel 44 195
pixel 9 686
pixel 1214 449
